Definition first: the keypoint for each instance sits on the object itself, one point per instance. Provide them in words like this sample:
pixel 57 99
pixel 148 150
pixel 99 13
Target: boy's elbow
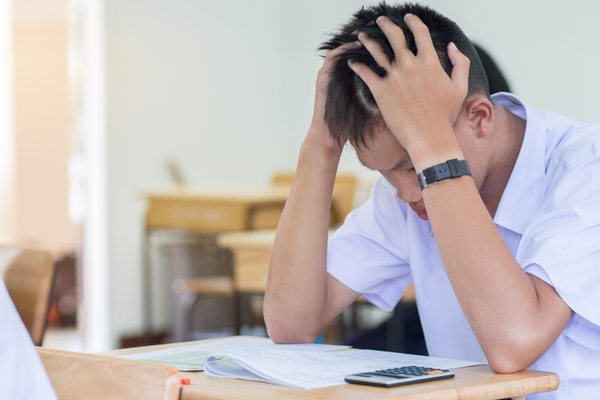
pixel 284 334
pixel 512 357
pixel 278 333
pixel 506 365
pixel 283 331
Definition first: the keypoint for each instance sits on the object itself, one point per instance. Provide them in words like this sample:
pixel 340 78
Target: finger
pixel 395 36
pixel 422 36
pixel 365 73
pixel 374 48
pixel 460 67
pixel 324 73
pixel 343 48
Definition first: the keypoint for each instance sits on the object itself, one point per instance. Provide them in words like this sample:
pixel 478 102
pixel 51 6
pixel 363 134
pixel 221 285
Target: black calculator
pixel 399 376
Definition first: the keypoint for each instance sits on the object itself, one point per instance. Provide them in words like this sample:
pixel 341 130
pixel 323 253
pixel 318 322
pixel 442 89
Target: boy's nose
pixel 407 188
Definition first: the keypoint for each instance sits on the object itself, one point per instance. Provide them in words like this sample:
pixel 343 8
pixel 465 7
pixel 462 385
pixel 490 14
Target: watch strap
pixel 450 169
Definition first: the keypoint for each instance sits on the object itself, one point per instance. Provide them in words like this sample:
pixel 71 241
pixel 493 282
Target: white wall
pixel 226 88
pixel 548 49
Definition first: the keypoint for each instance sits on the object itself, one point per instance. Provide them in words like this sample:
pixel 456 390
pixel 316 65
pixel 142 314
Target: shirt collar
pixel 523 193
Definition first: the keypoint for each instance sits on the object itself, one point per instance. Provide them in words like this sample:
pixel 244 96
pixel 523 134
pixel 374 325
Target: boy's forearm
pixel 296 292
pixel 515 318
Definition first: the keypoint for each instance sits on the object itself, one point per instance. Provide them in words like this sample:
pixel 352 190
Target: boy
pixel 488 206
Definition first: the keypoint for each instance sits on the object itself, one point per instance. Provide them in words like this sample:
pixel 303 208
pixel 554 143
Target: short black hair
pixel 350 110
pixel 496 80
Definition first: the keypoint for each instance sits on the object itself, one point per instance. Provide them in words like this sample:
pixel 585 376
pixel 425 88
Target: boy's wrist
pixel 438 149
pixel 319 154
pixel 319 141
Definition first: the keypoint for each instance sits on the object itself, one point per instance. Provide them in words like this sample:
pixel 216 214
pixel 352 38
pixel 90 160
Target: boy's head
pixel 351 111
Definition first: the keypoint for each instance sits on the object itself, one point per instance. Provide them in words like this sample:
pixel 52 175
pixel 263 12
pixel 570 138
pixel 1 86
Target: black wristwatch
pixel 450 169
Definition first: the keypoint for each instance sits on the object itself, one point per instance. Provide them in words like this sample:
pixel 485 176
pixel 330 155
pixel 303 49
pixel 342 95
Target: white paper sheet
pixel 314 370
pixel 225 367
pixel 193 357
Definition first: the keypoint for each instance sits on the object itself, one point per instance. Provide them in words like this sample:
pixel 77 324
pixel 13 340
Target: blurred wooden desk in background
pixel 205 212
pixel 236 209
pixel 211 212
pixel 214 211
pixel 251 254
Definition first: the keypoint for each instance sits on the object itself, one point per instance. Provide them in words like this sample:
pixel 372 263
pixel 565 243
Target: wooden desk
pixel 252 252
pixel 223 210
pixel 473 383
pixel 251 255
pixel 206 212
pixel 214 211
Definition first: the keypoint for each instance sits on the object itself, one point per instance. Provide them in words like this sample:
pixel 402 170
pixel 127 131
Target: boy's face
pixel 388 157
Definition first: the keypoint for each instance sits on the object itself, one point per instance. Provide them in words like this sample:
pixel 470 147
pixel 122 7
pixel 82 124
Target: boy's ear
pixel 480 113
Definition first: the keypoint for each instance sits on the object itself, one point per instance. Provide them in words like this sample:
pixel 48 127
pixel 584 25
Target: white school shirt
pixel 549 217
pixel 22 374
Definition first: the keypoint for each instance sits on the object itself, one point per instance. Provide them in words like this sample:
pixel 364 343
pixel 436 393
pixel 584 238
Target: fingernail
pixel 453 46
pixel 361 34
pixel 380 18
pixel 407 15
pixel 357 43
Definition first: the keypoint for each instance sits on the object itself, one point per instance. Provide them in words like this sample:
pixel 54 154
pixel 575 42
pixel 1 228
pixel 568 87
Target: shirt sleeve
pixel 369 252
pixel 563 237
pixel 579 329
pixel 22 374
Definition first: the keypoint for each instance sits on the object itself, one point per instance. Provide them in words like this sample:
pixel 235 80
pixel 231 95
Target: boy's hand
pixel 318 133
pixel 417 99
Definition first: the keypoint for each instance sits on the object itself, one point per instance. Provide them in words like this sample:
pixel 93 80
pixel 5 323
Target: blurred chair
pixel 28 275
pixel 63 299
pixel 344 190
pixel 202 279
pixel 93 377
